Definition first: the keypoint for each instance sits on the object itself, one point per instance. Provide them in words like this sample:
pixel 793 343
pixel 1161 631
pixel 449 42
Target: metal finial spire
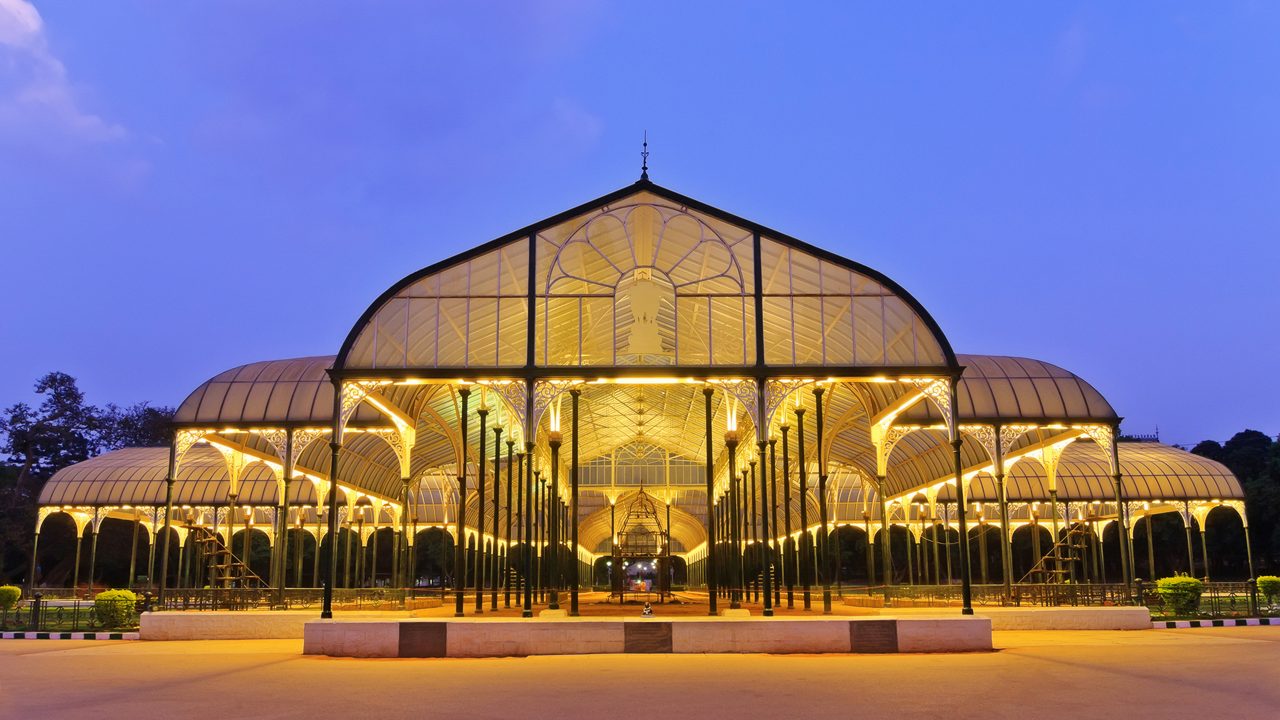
pixel 644 157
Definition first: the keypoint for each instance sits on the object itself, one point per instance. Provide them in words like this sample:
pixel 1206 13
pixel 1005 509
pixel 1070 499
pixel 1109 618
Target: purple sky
pixel 186 187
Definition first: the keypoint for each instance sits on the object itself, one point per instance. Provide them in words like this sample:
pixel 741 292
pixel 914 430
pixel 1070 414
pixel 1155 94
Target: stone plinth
pixel 467 637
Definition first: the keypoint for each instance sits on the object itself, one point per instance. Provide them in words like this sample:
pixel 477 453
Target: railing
pixel 42 614
pixel 302 598
pixel 1020 595
pixel 1219 600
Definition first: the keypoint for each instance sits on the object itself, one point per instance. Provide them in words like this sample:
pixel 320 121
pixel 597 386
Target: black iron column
pixel 773 518
pixel 168 512
pixel 479 565
pixel 540 487
pixel 553 439
pixel 460 539
pixel 712 580
pixel 789 567
pixel 1127 569
pixel 573 512
pixel 886 548
pixel 966 579
pixel 506 566
pixel 805 538
pixel 871 556
pixel 497 513
pixel 749 505
pixel 335 445
pixel 281 544
pixel 1006 548
pixel 522 538
pixel 824 547
pixel 735 583
pixel 765 555
pixel 527 511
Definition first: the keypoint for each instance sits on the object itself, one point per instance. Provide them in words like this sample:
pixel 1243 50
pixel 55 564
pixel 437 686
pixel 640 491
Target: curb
pixel 69 636
pixel 1229 622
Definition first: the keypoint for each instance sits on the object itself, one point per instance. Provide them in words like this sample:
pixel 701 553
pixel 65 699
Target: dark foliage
pixel 39 441
pixel 1255 459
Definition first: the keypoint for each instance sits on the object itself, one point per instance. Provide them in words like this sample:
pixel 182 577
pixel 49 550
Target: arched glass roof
pixel 645 276
pixel 998 388
pixel 275 392
pixel 136 476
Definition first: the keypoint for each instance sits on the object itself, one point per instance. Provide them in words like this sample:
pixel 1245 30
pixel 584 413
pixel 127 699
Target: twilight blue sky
pixel 185 186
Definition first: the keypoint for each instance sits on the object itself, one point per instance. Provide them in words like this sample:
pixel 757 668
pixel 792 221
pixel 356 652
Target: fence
pixel 1219 600
pixel 302 598
pixel 42 614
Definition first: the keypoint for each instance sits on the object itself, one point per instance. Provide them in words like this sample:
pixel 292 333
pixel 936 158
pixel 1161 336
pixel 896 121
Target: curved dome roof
pixel 1000 387
pixel 295 391
pixel 136 476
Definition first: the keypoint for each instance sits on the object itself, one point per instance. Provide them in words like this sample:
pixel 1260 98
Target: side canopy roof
pixel 269 393
pixel 645 276
pixel 998 388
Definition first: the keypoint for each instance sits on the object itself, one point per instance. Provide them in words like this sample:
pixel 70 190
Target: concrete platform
pixel 1068 618
pixel 239 624
pixel 467 637
pixel 223 625
pixel 1053 618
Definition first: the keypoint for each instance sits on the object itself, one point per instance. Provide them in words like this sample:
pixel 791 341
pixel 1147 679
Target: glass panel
pixel 837 330
pixel 391 328
pixel 452 337
pixel 868 331
pixel 692 331
pixel 808 330
pixel 482 332
pixel 513 325
pixel 423 316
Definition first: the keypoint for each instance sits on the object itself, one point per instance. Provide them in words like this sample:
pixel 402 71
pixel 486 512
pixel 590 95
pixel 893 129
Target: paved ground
pixel 1205 673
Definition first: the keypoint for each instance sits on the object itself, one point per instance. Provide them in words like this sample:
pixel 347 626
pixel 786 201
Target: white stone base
pixel 223 625
pixel 561 613
pixel 352 638
pixel 474 637
pixel 1068 618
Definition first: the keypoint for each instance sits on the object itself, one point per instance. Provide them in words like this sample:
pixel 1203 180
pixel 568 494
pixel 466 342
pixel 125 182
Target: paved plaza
pixel 1218 672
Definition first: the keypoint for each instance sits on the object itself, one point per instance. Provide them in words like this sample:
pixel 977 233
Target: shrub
pixel 114 608
pixel 9 597
pixel 1180 593
pixel 1268 585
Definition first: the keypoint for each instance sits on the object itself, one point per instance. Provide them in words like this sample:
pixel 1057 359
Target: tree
pixel 1254 458
pixel 61 431
pixel 138 425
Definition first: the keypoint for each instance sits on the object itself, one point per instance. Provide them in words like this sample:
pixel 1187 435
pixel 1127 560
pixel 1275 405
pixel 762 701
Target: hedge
pixel 1268 585
pixel 1180 593
pixel 114 608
